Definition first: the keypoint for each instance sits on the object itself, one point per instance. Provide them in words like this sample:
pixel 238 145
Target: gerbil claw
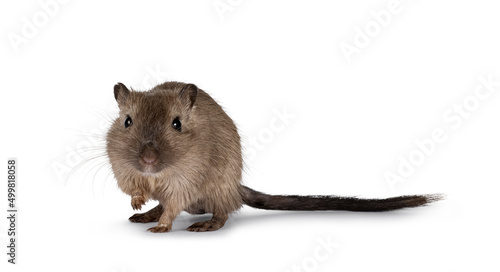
pixel 137 202
pixel 160 228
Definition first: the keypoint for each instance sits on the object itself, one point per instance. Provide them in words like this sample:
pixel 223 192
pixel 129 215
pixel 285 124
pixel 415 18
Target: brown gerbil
pixel 175 144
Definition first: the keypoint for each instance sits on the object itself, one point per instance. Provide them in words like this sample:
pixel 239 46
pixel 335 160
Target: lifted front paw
pixel 160 228
pixel 137 202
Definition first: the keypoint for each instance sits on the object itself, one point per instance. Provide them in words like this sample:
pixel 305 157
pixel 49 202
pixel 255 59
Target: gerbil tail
pixel 324 203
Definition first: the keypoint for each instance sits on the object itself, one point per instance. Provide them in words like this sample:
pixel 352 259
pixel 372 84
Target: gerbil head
pixel 154 129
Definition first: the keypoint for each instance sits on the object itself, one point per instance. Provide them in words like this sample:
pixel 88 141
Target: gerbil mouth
pixel 149 169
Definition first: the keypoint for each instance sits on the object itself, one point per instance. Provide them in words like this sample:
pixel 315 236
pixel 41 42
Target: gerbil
pixel 175 144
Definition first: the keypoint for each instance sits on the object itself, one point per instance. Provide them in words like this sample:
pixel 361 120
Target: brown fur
pixel 197 168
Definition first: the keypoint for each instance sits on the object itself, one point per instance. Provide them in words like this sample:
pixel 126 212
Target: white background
pixel 352 122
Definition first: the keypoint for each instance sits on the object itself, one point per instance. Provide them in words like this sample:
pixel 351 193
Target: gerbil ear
pixel 188 95
pixel 121 93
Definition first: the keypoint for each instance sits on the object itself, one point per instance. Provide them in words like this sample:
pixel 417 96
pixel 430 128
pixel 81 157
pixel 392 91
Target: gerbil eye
pixel 128 122
pixel 176 124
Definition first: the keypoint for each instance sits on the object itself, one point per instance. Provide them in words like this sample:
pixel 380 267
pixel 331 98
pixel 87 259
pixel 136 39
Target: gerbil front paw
pixel 160 228
pixel 137 202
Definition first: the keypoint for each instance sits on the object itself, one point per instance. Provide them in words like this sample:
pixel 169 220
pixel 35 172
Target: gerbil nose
pixel 149 154
pixel 149 158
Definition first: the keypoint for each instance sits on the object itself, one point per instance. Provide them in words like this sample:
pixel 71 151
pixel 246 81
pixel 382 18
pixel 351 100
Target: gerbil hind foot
pixel 160 228
pixel 152 215
pixel 215 223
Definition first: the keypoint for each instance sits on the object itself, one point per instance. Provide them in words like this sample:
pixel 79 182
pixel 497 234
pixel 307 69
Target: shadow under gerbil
pixel 284 217
pixel 264 217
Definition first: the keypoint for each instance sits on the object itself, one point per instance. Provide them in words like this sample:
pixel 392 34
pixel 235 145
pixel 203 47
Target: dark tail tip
pixel 434 197
pixel 410 201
